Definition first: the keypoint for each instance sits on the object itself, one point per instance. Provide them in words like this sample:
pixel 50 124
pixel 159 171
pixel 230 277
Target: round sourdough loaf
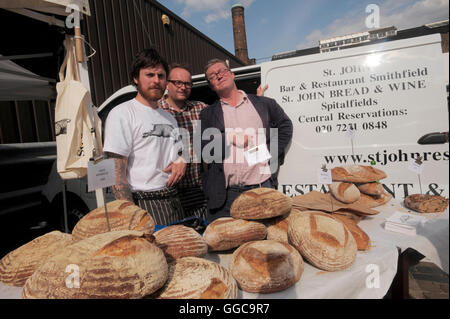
pixel 21 263
pixel 117 264
pixel 266 266
pixel 356 174
pixel 344 192
pixel 361 238
pixel 260 203
pixel 324 241
pixel 277 228
pixel 227 233
pixel 122 215
pixel 197 278
pixel 180 241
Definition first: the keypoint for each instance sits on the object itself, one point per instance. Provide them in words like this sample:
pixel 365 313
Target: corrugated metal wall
pixel 118 29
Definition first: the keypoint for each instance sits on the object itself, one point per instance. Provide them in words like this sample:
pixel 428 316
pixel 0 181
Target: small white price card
pixel 324 176
pixel 350 133
pixel 416 166
pixel 257 154
pixel 101 175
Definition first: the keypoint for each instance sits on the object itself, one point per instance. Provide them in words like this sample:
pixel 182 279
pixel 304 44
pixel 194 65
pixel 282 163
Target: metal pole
pixel 106 213
pixel 66 225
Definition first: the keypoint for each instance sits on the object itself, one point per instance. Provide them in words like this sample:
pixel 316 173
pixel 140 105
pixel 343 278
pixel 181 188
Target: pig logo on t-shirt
pixel 163 130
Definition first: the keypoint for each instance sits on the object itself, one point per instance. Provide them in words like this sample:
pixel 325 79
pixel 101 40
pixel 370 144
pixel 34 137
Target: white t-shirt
pixel 148 137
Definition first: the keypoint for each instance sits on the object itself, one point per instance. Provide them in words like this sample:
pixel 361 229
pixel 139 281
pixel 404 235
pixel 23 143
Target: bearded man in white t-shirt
pixel 146 145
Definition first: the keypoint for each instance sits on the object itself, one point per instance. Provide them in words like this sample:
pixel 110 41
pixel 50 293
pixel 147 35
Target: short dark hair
pixel 147 58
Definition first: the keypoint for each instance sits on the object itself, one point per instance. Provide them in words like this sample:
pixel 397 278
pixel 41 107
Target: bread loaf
pixel 21 263
pixel 344 192
pixel 196 278
pixel 227 233
pixel 356 174
pixel 361 238
pixel 321 239
pixel 260 203
pixel 122 215
pixel 371 188
pixel 426 203
pixel 118 264
pixel 374 201
pixel 266 266
pixel 180 241
pixel 277 228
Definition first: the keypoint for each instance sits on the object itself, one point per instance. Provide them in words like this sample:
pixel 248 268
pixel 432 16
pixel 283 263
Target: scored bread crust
pixel 324 241
pixel 260 203
pixel 266 266
pixel 345 192
pixel 122 215
pixel 178 241
pixel 197 278
pixel 227 233
pixel 371 188
pixel 118 264
pixel 18 265
pixel 277 227
pixel 361 238
pixel 426 203
pixel 357 174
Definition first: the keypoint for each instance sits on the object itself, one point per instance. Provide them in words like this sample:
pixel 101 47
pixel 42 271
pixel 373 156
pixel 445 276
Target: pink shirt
pixel 245 119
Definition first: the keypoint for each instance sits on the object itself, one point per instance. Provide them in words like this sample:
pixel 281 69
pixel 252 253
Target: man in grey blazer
pixel 240 132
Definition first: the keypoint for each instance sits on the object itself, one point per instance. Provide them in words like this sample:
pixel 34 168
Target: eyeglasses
pixel 179 84
pixel 214 75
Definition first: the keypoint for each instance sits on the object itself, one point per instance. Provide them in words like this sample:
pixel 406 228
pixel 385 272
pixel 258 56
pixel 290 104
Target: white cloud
pixel 214 10
pixel 402 14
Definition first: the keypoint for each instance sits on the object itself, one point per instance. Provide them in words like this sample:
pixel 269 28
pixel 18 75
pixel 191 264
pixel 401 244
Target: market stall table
pixel 373 271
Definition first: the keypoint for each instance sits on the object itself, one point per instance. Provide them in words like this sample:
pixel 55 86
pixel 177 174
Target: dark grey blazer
pixel 272 116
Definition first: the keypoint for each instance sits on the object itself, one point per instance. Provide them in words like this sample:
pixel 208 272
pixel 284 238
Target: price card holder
pixel 101 174
pixel 257 154
pixel 324 176
pixel 416 166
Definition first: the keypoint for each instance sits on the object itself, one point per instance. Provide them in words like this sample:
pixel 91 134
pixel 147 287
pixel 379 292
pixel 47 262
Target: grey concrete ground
pixel 427 281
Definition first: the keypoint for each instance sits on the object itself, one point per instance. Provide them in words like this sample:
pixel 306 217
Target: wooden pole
pixel 78 45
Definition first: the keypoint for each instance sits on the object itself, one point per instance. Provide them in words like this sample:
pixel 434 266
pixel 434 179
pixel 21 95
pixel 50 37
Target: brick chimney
pixel 240 38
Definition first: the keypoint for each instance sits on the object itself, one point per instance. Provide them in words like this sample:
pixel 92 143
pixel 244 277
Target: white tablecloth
pixel 371 274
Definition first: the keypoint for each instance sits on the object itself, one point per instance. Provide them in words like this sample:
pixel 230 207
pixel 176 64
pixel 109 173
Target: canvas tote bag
pixel 77 125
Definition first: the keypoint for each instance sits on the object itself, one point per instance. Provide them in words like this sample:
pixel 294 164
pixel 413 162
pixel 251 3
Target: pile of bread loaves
pixel 359 184
pixel 272 238
pixel 130 261
pixel 269 237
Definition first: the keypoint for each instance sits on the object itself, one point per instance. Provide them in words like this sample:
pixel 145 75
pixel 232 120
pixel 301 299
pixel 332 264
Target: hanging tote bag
pixel 77 126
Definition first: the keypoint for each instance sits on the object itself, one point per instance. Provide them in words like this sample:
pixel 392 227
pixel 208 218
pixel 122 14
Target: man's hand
pixel 177 169
pixel 260 90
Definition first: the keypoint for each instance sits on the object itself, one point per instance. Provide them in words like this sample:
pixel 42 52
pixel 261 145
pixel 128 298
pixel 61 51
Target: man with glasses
pixel 187 114
pixel 234 130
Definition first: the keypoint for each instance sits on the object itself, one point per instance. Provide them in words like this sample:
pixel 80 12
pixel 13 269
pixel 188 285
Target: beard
pixel 151 94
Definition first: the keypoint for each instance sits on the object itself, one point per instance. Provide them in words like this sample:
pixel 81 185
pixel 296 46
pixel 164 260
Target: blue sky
pixel 275 26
